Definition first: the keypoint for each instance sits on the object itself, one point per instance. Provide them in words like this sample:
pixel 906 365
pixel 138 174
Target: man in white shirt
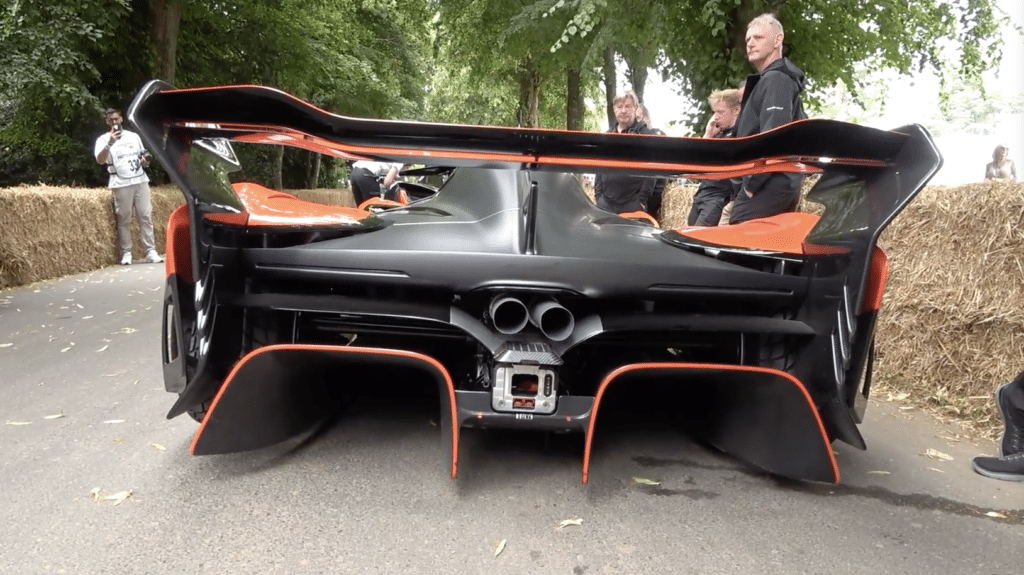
pixel 126 159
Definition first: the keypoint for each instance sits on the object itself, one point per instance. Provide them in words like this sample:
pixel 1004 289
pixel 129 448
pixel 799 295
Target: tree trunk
pixel 529 94
pixel 609 84
pixel 166 20
pixel 278 181
pixel 314 172
pixel 573 100
pixel 637 79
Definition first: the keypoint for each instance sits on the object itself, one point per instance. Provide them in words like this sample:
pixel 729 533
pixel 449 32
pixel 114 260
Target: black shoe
pixel 1012 440
pixel 1007 468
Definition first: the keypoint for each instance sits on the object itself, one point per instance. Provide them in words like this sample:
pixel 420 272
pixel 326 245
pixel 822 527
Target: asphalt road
pixel 369 493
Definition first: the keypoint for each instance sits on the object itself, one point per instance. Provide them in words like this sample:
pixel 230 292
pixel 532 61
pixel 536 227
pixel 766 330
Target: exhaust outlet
pixel 508 314
pixel 552 319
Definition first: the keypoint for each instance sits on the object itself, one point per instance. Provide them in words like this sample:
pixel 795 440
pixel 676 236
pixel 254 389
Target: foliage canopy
pixel 528 62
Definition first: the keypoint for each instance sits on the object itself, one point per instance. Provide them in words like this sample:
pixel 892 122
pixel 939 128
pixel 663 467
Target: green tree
pixel 48 85
pixel 703 48
pixel 63 62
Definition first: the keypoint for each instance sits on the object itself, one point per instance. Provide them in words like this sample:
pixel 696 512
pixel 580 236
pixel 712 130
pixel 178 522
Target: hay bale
pixel 675 204
pixel 952 321
pixel 341 197
pixel 48 232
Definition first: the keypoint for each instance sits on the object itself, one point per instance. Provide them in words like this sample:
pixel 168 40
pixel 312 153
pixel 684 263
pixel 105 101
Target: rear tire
pixel 198 412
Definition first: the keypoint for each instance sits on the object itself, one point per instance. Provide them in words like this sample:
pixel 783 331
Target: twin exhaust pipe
pixel 510 315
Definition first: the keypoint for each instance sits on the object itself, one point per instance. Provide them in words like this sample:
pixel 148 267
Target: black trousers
pixel 364 185
pixel 782 194
pixel 706 210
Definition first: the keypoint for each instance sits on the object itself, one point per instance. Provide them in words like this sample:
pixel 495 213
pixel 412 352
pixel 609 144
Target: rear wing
pixel 265 115
pixel 868 175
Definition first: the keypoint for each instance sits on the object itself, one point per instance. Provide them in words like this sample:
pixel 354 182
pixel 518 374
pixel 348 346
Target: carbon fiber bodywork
pixel 510 289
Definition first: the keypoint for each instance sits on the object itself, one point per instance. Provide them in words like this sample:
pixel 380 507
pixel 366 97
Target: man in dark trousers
pixel 771 99
pixel 712 195
pixel 1010 466
pixel 622 193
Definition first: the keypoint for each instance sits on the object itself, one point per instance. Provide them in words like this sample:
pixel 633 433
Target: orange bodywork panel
pixel 269 208
pixel 878 274
pixel 783 233
pixel 178 245
pixel 380 202
pixel 641 216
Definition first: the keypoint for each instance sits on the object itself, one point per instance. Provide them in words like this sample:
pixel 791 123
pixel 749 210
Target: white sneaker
pixel 126 259
pixel 152 257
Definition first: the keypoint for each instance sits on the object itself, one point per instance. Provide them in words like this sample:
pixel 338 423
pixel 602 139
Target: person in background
pixel 712 195
pixel 1001 167
pixel 1009 466
pixel 727 208
pixel 771 99
pixel 623 193
pixel 654 205
pixel 122 152
pixel 365 179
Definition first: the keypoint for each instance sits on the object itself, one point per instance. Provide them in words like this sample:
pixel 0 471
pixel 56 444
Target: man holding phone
pixel 122 152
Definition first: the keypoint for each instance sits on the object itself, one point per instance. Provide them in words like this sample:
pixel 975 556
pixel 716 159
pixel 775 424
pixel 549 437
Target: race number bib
pixel 127 162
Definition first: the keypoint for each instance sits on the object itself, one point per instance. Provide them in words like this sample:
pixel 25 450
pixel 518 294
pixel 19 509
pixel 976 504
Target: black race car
pixel 509 288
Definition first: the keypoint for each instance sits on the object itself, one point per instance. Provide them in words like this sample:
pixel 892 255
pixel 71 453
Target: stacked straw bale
pixel 952 321
pixel 48 232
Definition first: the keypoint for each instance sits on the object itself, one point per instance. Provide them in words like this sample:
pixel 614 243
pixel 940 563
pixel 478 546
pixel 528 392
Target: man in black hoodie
pixel 771 99
pixel 622 193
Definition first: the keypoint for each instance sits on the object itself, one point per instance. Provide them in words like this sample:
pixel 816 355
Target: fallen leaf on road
pixel 897 396
pixel 996 514
pixel 879 473
pixel 158 446
pixel 19 423
pixel 568 522
pixel 935 454
pixel 65 349
pixel 906 407
pixel 645 481
pixel 934 469
pixel 104 348
pixel 126 330
pixel 6 344
pixel 500 547
pixel 119 497
pixel 114 421
pixel 54 416
pixel 95 492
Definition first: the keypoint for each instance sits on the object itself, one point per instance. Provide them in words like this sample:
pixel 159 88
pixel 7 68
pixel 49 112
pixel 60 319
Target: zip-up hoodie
pixel 770 99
